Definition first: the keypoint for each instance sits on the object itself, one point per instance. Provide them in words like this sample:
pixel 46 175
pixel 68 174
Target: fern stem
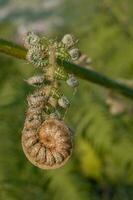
pixel 17 51
pixel 12 49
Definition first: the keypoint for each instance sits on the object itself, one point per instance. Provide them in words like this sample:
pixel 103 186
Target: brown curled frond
pixel 50 146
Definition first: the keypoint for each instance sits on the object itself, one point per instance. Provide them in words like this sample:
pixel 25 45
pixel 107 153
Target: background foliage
pixel 102 163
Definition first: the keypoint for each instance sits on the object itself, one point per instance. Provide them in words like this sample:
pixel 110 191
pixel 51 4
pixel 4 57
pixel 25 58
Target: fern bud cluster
pixel 46 139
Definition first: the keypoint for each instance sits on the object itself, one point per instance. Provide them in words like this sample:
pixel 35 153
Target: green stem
pixel 12 49
pixel 17 51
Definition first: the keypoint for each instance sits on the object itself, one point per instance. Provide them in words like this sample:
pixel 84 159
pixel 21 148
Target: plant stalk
pixel 18 51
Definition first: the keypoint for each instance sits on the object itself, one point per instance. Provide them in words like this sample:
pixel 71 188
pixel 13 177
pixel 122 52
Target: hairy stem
pixel 17 51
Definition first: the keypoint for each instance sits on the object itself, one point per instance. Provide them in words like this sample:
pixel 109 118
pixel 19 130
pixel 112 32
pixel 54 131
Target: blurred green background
pixel 101 167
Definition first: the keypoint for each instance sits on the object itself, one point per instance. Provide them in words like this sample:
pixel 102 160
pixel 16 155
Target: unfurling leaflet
pixel 46 140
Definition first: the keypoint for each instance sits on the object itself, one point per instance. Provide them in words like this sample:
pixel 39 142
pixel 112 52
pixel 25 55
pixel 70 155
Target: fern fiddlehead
pixel 46 140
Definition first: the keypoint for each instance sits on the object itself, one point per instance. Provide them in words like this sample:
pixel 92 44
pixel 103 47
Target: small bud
pixel 37 57
pixel 33 55
pixel 63 102
pixel 68 40
pixel 31 39
pixel 36 80
pixel 72 81
pixel 75 54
